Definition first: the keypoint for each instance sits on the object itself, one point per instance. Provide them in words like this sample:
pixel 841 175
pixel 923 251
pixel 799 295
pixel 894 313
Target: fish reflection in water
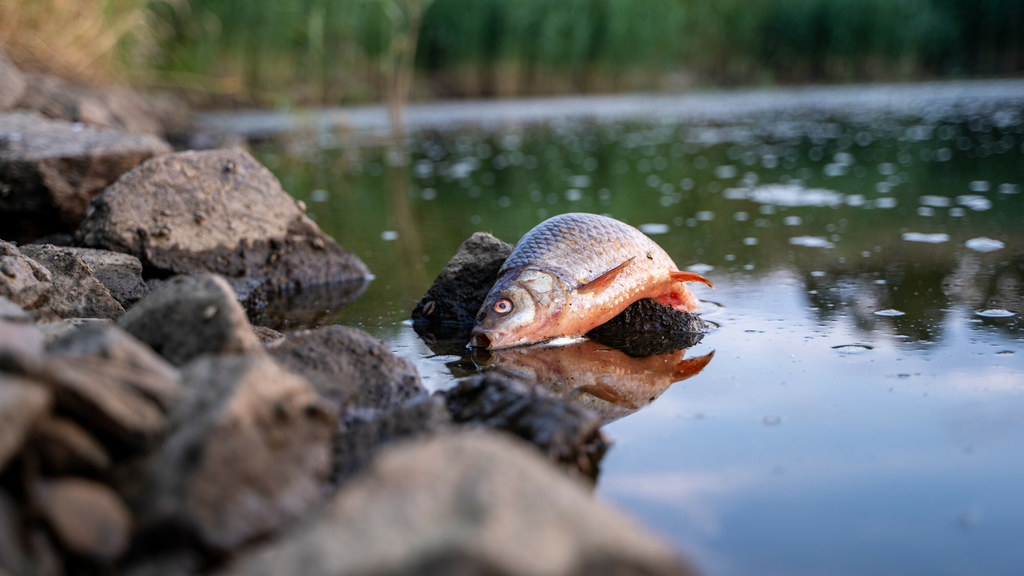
pixel 604 379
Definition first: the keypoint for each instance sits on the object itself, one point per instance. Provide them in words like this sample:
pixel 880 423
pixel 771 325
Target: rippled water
pixel 864 408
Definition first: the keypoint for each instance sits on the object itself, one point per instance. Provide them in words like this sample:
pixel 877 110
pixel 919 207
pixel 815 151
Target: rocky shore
pixel 152 422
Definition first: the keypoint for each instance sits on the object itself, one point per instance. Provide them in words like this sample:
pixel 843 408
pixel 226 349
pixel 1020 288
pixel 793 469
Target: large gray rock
pixel 23 281
pixel 22 403
pixel 76 293
pixel 216 211
pixel 188 316
pixel 348 367
pixel 49 170
pixel 12 84
pixel 120 273
pixel 87 518
pixel 466 503
pixel 251 451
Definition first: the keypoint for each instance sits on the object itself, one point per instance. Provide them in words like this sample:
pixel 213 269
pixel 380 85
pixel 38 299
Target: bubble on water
pixel 935 201
pixel 852 349
pixel 318 195
pixel 579 181
pixel 811 242
pixel 983 244
pixel 770 161
pixel 883 187
pixel 428 193
pixel 741 216
pixel 686 184
pixel 925 211
pixel 833 170
pixel 885 203
pixel 891 312
pixel 974 202
pixel 855 200
pixel 792 220
pixel 389 235
pixel 653 228
pixel 1008 188
pixel 935 238
pixel 818 273
pixel 750 241
pixel 504 201
pixel 590 164
pixel 573 195
pixel 423 168
pixel 791 195
pixel 725 171
pixel 996 313
pixel 957 212
pixel 979 186
pixel 887 168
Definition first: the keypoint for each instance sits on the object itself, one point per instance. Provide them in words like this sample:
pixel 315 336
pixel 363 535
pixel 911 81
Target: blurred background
pixel 224 53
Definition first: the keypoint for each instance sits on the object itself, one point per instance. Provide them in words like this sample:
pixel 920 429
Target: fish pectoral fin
pixel 607 393
pixel 684 276
pixel 692 366
pixel 604 280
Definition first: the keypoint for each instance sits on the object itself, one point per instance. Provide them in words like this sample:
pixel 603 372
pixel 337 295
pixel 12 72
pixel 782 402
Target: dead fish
pixel 572 273
pixel 604 379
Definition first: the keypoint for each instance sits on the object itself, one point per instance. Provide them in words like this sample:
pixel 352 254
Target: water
pixel 864 409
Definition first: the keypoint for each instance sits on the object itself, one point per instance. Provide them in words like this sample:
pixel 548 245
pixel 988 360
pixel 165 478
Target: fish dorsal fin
pixel 604 280
pixel 684 276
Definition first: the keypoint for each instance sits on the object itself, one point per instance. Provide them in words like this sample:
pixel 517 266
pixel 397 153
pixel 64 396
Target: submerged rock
pixel 228 215
pixel 49 170
pixel 188 316
pixel 464 503
pixel 564 431
pixel 76 292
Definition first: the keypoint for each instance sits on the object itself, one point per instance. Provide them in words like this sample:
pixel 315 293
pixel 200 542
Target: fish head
pixel 520 309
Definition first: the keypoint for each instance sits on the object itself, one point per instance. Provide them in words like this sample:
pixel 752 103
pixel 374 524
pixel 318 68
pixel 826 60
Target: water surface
pixel 864 409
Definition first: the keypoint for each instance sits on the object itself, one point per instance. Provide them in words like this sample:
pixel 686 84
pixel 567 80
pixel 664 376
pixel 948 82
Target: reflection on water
pixel 864 410
pixel 604 379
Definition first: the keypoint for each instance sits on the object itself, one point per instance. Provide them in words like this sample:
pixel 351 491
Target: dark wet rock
pixel 362 433
pixel 20 338
pixel 188 316
pixel 300 307
pixel 49 170
pixel 348 367
pixel 65 448
pixel 448 309
pixel 120 273
pixel 22 403
pixel 564 431
pixel 138 365
pixel 87 518
pixel 12 84
pixel 23 281
pixel 228 216
pixel 251 451
pixel 648 327
pixel 76 292
pixel 115 107
pixel 464 503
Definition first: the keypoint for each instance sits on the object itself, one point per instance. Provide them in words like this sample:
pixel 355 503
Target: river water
pixel 864 408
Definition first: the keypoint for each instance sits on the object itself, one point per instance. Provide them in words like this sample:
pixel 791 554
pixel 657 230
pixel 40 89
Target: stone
pixel 648 327
pixel 566 432
pixel 22 403
pixel 76 293
pixel 23 281
pixel 250 452
pixel 228 215
pixel 20 338
pixel 121 274
pixel 448 309
pixel 348 367
pixel 188 316
pixel 464 503
pixel 12 84
pixel 143 369
pixel 62 447
pixel 86 517
pixel 362 433
pixel 12 313
pixel 49 170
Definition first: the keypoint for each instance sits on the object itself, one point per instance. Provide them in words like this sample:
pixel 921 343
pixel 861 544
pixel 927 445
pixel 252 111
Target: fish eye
pixel 503 306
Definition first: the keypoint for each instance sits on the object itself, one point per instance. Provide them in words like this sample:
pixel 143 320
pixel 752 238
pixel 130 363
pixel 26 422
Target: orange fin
pixel 692 366
pixel 684 276
pixel 608 394
pixel 604 280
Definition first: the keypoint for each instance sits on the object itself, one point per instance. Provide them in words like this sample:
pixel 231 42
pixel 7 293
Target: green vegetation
pixel 338 51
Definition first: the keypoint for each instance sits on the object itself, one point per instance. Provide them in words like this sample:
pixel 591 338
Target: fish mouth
pixel 480 340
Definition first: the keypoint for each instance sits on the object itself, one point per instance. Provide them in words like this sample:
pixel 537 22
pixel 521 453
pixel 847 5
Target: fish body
pixel 572 273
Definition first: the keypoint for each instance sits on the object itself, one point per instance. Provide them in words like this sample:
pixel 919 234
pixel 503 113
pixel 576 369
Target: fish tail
pixel 678 295
pixel 693 366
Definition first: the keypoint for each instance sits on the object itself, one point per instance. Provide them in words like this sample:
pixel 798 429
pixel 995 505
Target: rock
pixel 114 107
pixel 54 329
pixel 12 84
pixel 348 367
pixel 87 518
pixel 464 503
pixel 648 327
pixel 50 169
pixel 65 448
pixel 228 216
pixel 20 339
pixel 76 293
pixel 22 280
pixel 363 432
pixel 297 308
pixel 188 316
pixel 139 366
pixel 22 403
pixel 564 431
pixel 251 452
pixel 12 313
pixel 449 307
pixel 120 273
